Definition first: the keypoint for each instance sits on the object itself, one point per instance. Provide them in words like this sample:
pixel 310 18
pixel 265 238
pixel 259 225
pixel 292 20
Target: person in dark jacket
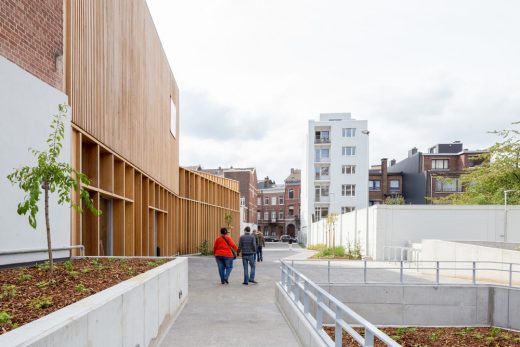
pixel 247 246
pixel 223 255
pixel 260 243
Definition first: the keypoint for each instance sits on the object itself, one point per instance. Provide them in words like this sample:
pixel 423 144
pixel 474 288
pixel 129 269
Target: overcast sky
pixel 252 73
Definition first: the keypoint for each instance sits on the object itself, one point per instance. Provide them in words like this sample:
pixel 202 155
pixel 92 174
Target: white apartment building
pixel 335 175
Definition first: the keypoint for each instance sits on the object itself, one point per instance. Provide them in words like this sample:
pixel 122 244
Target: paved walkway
pixel 234 314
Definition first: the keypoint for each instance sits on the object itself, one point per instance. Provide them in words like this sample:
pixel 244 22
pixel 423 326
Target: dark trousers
pixel 259 255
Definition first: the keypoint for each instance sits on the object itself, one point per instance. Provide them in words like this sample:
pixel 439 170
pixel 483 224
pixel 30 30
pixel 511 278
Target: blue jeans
pixel 225 265
pixel 249 260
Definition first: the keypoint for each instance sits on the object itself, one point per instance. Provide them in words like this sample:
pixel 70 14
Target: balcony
pixel 322 160
pixel 321 141
pixel 321 198
pixel 319 177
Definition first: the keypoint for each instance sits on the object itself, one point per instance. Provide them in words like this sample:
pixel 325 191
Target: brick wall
pixel 31 36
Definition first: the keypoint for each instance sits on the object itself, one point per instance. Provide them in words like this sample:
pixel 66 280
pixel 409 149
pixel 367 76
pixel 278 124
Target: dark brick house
pixel 383 184
pixel 435 173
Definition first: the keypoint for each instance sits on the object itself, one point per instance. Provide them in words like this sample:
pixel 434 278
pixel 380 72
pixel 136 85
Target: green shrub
pixel 81 288
pixel 131 271
pixel 43 267
pixel 204 248
pixel 8 292
pixel 152 264
pixel 23 277
pixel 339 251
pixel 86 269
pixel 5 318
pixel 67 265
pixel 41 302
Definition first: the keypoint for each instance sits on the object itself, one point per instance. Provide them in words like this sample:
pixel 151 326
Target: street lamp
pixel 505 211
pixel 366 132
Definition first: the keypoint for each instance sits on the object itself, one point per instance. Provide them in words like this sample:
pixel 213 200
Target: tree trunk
pixel 48 226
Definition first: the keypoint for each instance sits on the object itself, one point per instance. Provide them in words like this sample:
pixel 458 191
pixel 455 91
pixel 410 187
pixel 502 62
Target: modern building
pixel 247 180
pixel 383 184
pixel 435 173
pixel 105 59
pixel 336 171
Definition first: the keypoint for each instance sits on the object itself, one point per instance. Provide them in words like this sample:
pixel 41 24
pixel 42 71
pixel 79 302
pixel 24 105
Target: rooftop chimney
pixel 392 162
pixel 412 152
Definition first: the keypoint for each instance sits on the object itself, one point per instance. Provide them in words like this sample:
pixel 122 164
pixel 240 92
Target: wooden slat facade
pixel 120 85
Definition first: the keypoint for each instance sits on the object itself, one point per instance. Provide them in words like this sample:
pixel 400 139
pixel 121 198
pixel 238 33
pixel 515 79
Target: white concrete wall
pixel 26 108
pixel 136 312
pixel 462 252
pixel 398 225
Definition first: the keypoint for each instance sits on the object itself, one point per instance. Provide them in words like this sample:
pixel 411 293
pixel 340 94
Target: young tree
pixel 51 176
pixel 499 171
pixel 331 223
pixel 228 219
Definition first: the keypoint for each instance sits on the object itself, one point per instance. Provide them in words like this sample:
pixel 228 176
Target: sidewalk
pixel 234 314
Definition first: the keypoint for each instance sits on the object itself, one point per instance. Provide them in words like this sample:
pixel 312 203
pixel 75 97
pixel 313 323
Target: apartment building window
pixel 266 201
pixel 395 185
pixel 374 185
pixel 273 215
pixel 291 194
pixel 322 136
pixel 280 200
pixel 242 201
pixel 258 215
pixel 347 209
pixel 348 190
pixel 266 215
pixel 440 164
pixel 259 201
pixel 348 169
pixel 291 210
pixel 320 212
pixel 349 132
pixel 321 172
pixel 448 185
pixel 349 151
pixel 321 154
pixel 280 215
pixel 273 200
pixel 173 118
pixel 321 191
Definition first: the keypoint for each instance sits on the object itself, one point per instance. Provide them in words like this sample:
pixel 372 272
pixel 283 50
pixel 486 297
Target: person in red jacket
pixel 223 250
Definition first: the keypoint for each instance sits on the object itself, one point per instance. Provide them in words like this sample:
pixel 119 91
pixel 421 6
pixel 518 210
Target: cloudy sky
pixel 252 73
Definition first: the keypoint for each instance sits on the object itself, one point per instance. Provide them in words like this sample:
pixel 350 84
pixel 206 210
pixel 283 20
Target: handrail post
pixel 328 271
pixel 474 275
pixel 401 272
pixel 338 330
pixel 369 338
pixel 282 275
pixel 296 287
pixel 306 299
pixel 510 274
pixel 319 311
pixel 437 272
pixel 364 271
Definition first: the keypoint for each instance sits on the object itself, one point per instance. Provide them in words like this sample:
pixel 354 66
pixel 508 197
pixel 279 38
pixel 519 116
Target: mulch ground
pixel 433 337
pixel 29 293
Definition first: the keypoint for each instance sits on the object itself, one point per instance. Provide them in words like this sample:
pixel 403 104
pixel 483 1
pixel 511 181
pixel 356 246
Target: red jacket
pixel 221 248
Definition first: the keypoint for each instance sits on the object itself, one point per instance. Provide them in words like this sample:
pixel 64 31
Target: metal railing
pixel 322 140
pixel 302 291
pixel 494 273
pixel 41 250
pixel 398 253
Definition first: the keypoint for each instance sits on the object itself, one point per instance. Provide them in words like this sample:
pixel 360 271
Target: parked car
pixel 285 238
pixel 270 239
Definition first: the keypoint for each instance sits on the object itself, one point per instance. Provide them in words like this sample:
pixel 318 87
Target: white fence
pixel 401 225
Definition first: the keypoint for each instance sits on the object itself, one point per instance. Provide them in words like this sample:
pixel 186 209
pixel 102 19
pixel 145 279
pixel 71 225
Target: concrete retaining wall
pixel 427 305
pixel 307 336
pixel 136 312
